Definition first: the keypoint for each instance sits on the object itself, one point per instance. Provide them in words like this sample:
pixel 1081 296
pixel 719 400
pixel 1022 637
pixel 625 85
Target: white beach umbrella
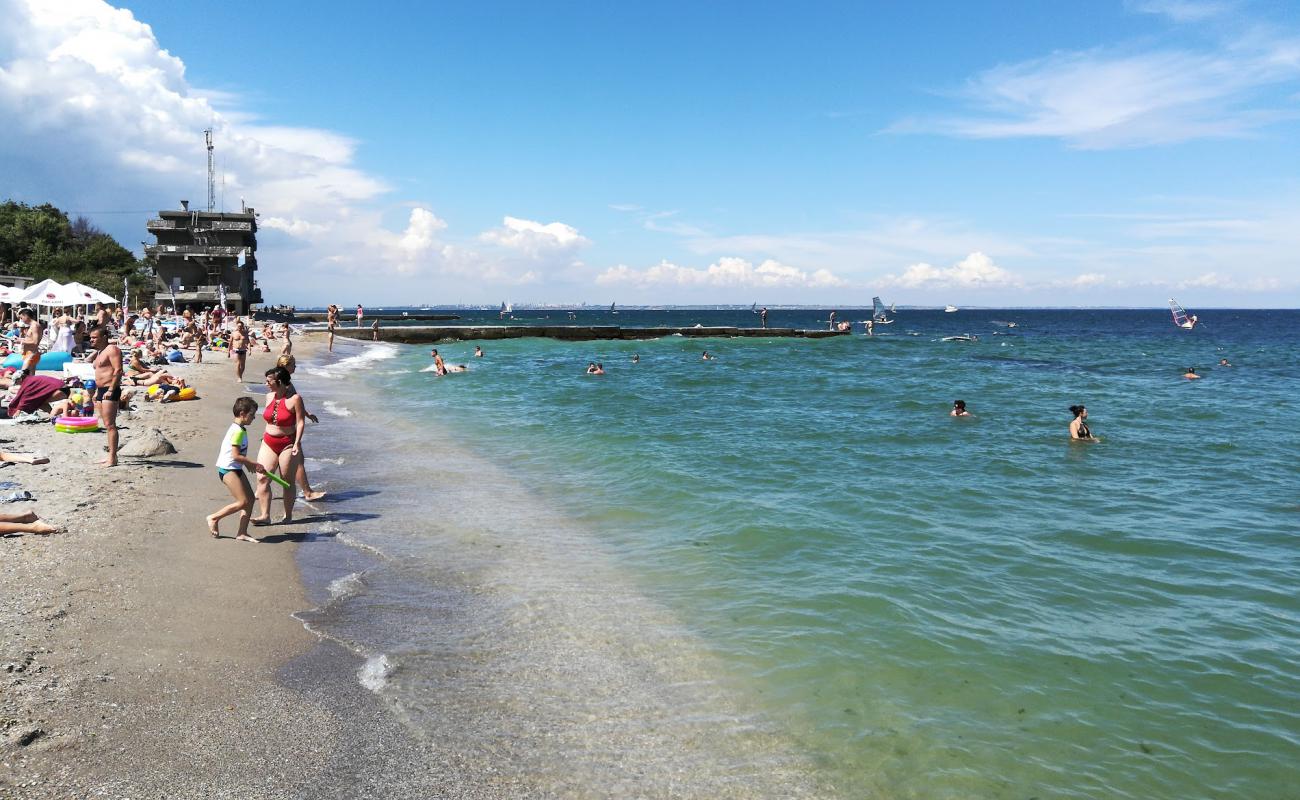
pixel 89 295
pixel 9 294
pixel 48 292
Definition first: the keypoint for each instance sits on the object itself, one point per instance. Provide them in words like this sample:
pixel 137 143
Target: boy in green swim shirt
pixel 231 460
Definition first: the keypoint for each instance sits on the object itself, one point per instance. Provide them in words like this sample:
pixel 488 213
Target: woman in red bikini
pixel 281 443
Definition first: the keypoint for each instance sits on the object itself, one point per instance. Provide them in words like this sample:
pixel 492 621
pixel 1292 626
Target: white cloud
pixel 726 272
pixel 1183 10
pixel 975 271
pixel 1124 97
pixel 535 239
pixel 1088 280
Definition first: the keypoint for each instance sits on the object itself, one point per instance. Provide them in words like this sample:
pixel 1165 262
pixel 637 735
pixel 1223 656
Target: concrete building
pixel 198 252
pixel 16 281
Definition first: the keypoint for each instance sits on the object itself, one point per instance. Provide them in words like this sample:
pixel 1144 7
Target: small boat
pixel 878 315
pixel 970 337
pixel 1181 317
pixel 949 309
pixel 612 310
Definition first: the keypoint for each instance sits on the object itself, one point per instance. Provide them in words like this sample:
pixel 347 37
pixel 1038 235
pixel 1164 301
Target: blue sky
pixel 1107 153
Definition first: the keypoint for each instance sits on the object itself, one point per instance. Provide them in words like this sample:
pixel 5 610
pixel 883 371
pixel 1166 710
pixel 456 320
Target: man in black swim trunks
pixel 108 387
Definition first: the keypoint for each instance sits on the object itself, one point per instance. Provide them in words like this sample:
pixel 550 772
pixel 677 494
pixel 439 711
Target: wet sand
pixel 142 658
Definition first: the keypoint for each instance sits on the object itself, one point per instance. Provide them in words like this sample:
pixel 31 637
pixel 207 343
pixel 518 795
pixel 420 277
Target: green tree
pixel 40 242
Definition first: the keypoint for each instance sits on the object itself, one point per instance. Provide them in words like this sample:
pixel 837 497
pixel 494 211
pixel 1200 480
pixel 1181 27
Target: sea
pixel 787 571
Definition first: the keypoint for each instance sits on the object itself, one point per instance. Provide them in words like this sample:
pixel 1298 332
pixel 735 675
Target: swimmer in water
pixel 478 351
pixel 1079 427
pixel 595 368
pixel 1223 362
pixel 706 356
pixel 636 358
pixel 959 409
pixel 1191 375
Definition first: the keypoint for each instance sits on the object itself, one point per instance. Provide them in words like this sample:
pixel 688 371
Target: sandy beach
pixel 141 658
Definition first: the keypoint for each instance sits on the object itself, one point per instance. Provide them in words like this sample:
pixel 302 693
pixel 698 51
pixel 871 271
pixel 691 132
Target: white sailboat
pixel 1181 317
pixel 878 315
pixel 950 309
pixel 612 310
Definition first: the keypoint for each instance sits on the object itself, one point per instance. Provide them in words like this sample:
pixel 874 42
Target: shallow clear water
pixel 788 571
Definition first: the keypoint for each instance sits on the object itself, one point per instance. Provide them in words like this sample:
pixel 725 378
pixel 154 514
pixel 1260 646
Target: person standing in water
pixel 1191 375
pixel 762 316
pixel 959 409
pixel 1079 429
pixel 332 319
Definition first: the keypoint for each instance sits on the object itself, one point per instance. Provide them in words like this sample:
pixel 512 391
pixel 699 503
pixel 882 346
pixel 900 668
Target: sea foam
pixel 375 672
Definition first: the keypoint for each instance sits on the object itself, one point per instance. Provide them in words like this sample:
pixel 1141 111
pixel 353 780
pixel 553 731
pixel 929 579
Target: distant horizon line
pixel 771 307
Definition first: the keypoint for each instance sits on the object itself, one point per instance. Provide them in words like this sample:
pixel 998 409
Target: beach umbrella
pixel 49 292
pixel 9 294
pixel 89 295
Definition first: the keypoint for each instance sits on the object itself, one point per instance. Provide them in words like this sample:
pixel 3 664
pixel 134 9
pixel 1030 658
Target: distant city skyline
pixel 1014 154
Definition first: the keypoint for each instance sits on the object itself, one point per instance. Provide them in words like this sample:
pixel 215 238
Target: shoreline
pixel 141 657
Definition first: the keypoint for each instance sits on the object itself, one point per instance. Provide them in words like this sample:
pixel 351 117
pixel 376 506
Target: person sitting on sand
pixel 231 460
pixel 959 409
pixel 13 522
pixel 1191 375
pixel 38 393
pixel 1079 430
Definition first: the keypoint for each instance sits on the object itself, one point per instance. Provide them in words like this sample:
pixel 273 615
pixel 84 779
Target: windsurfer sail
pixel 1181 317
pixel 878 315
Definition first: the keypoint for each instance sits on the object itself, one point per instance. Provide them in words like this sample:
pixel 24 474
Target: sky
pixel 1109 153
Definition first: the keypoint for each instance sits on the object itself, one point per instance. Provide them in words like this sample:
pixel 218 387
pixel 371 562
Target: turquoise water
pixel 788 571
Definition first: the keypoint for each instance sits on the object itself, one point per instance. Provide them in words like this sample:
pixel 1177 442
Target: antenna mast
pixel 212 173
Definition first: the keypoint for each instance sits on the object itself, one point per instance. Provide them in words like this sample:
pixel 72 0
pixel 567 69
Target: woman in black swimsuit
pixel 1079 427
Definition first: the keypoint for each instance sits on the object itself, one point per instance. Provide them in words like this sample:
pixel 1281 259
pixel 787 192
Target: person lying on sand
pixel 23 458
pixel 13 522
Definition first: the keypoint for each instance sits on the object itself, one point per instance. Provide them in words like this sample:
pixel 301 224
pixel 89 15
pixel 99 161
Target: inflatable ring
pixel 76 425
pixel 77 422
pixel 187 393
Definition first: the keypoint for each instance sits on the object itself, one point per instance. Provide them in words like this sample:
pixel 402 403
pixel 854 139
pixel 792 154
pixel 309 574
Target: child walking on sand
pixel 230 467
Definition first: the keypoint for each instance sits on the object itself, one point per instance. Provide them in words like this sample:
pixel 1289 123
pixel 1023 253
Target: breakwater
pixel 431 334
pixel 349 318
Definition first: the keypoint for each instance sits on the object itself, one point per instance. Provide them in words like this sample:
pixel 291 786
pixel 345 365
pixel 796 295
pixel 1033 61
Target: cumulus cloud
pixel 726 272
pixel 86 88
pixel 1088 280
pixel 975 271
pixel 535 239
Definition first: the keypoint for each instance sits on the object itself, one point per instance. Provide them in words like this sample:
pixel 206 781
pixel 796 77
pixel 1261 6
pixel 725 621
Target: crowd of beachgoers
pixel 79 370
